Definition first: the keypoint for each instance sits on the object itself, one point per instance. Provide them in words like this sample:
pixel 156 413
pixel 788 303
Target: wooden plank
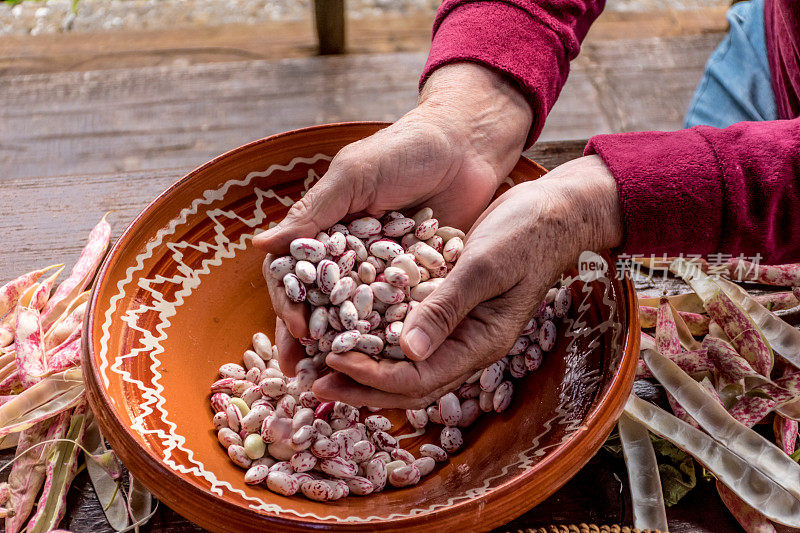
pixel 100 50
pixel 162 117
pixel 329 20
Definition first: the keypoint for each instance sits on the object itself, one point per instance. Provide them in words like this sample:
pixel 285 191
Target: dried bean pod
pixel 562 302
pixel 377 474
pixel 362 300
pixel 491 377
pixel 363 450
pixel 433 414
pixel 387 293
pixel 324 448
pixel 520 345
pixel 533 357
pixel 385 249
pixel 348 315
pixel 338 467
pixel 254 446
pixel 369 344
pixel 399 454
pixel 470 412
pixel 303 461
pixel 220 420
pixel 398 227
pixel 427 256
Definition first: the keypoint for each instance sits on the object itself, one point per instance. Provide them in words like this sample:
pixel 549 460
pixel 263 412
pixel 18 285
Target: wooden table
pixel 45 220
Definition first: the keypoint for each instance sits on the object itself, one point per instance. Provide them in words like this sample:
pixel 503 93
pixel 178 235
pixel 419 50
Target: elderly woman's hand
pixel 450 153
pixel 516 251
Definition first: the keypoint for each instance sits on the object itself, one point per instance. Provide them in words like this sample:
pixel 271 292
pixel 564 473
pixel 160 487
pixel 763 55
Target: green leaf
pixel 677 470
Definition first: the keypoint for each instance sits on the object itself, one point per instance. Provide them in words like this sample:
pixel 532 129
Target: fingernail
pixel 419 342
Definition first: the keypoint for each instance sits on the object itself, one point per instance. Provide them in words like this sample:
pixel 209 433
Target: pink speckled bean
pixel 398 227
pixel 450 409
pixel 387 293
pixel 360 486
pixel 397 277
pixel 405 476
pixel 533 357
pixel 363 450
pixel 305 249
pixel 377 423
pixel 282 483
pixel 436 242
pixel 29 347
pixel 303 461
pixel 231 370
pixel 220 420
pixel 547 335
pixel 517 366
pixel 318 322
pixel 399 454
pixel 452 249
pixel 281 266
pixel 220 401
pixel 305 271
pixel 433 414
pixel 357 245
pixel 238 456
pixel 364 228
pixel 348 315
pixel 486 401
pixel 470 412
pixel 345 341
pixel 343 290
pixel 338 467
pixel 502 396
pixel 425 465
pixel 341 228
pixel 562 302
pixel 369 344
pixel 327 275
pixel 427 256
pixel 520 345
pixel 491 377
pixel 336 244
pixel 434 452
pixel 451 439
pixel 256 474
pixel 426 229
pixel 324 448
pixel 346 262
pixel 295 290
pixel 228 437
pixel 375 471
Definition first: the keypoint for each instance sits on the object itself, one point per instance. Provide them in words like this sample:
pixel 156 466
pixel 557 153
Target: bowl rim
pixel 159 475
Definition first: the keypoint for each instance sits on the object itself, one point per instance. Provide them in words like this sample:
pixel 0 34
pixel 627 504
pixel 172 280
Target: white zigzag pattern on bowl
pixel 223 248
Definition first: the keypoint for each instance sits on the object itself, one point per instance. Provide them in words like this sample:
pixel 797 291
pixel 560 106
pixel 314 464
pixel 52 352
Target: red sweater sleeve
pixel 707 190
pixel 532 41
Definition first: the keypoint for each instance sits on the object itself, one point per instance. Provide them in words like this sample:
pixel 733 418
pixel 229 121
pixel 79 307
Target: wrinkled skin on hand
pixel 451 153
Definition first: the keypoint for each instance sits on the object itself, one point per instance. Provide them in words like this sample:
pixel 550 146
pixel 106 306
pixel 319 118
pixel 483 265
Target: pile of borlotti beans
pixel 360 281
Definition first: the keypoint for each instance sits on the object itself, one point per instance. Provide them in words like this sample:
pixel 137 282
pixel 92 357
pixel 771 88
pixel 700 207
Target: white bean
pixel 282 266
pixel 426 229
pixel 451 439
pixel 364 228
pixel 345 341
pixel 238 456
pixel 295 290
pixel 547 336
pixel 336 244
pixel 307 249
pixel 450 409
pixel 343 290
pixel 327 275
pixel 282 483
pixel 254 446
pixel 305 271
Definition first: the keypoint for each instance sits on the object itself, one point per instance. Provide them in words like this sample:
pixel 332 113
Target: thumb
pixel 325 204
pixel 432 320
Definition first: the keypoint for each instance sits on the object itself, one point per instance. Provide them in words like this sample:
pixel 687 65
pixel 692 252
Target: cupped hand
pixel 450 153
pixel 518 248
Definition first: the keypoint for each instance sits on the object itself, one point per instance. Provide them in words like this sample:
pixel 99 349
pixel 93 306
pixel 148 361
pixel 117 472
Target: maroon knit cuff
pixel 670 190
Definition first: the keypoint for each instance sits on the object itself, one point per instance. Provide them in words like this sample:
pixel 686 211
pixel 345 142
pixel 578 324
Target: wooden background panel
pixel 163 117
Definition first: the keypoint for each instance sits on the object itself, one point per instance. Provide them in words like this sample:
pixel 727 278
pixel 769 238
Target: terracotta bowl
pixel 181 293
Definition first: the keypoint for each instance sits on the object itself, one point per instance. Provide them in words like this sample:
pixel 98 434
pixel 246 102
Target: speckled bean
pixel 343 290
pixel 254 419
pixel 404 476
pixel 234 416
pixel 318 323
pixel 433 414
pixel 345 341
pixel 470 412
pixel 502 396
pixel 256 474
pixel 363 450
pixel 275 429
pixel 364 228
pixel 220 420
pixel 272 387
pixel 357 245
pixel 369 344
pixel 396 312
pixel 397 277
pixel 451 439
pixel 377 423
pixel 377 474
pixel 282 483
pixel 426 229
pixel 238 456
pixel 307 249
pixel 346 262
pixel 295 290
pixel 562 302
pixel 232 370
pixel 486 401
pixel 348 315
pixel 450 409
pixel 282 266
pixel 491 377
pixel 305 271
pixel 327 275
pixel 385 249
pixel 399 454
pixel 338 467
pixel 427 256
pixel 336 244
pixel 547 335
pixel 434 452
pixel 387 293
pixel 424 289
pixel 324 448
pixel 398 227
pixel 360 486
pixel 384 441
pixel 425 465
pixel 452 249
pixel 303 461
